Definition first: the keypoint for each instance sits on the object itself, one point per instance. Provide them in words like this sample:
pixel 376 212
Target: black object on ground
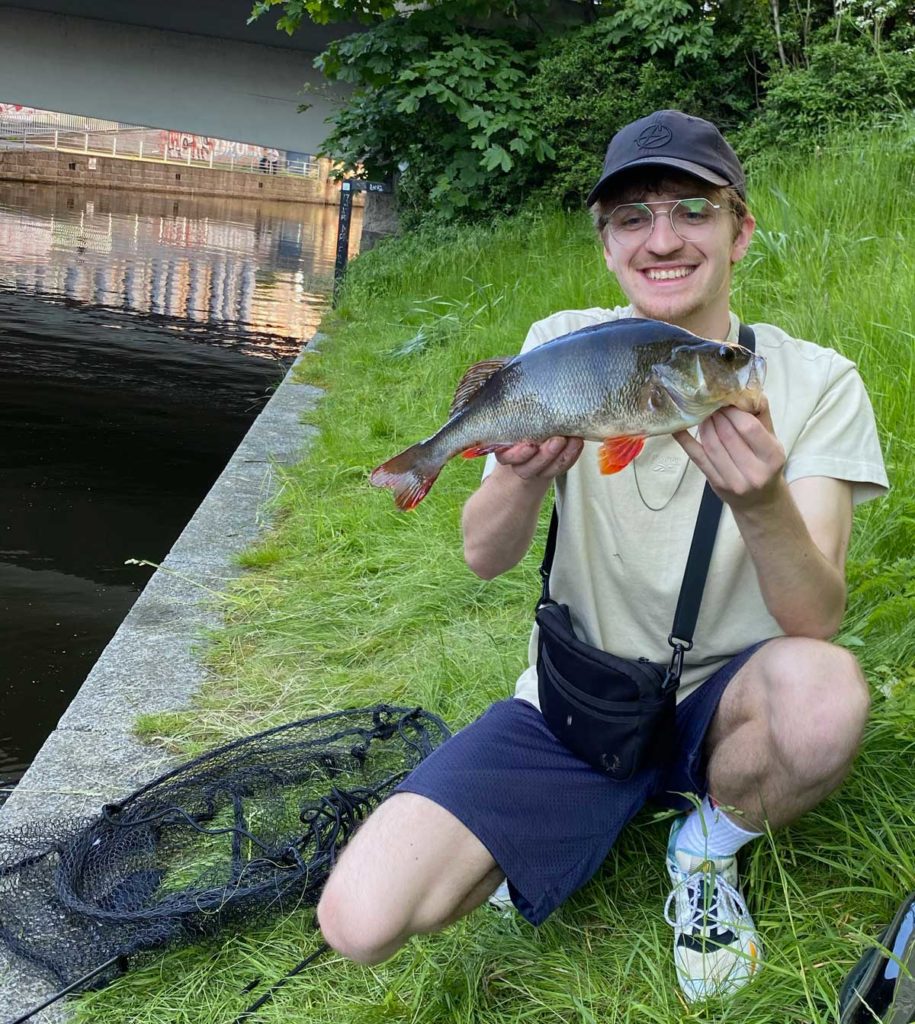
pixel 240 834
pixel 881 985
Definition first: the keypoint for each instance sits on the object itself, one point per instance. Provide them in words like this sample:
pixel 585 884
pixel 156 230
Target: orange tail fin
pixel 617 452
pixel 409 475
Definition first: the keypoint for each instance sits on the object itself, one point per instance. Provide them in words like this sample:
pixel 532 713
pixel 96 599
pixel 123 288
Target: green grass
pixel 349 601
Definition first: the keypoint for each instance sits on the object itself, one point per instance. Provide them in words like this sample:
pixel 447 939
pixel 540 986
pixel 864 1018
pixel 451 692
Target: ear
pixel 742 241
pixel 608 259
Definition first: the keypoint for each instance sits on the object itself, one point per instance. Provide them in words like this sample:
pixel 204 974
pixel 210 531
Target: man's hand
pixel 797 534
pixel 500 517
pixel 544 461
pixel 739 454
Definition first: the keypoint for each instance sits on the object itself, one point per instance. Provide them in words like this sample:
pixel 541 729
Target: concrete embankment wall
pixel 152 663
pixel 82 170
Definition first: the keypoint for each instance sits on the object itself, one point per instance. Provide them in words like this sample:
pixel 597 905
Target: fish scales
pixel 617 382
pixel 588 390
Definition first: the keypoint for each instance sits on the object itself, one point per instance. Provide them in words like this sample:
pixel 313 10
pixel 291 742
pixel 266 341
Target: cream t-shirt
pixel 623 539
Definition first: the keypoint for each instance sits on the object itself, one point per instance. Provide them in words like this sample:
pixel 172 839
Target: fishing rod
pixel 119 961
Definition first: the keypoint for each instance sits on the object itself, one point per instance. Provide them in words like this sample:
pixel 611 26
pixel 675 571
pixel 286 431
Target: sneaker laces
pixel 726 908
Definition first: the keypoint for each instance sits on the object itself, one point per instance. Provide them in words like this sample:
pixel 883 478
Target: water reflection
pixel 139 337
pixel 261 266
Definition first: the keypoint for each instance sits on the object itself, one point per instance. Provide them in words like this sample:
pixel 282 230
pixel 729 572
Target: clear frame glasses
pixel 691 219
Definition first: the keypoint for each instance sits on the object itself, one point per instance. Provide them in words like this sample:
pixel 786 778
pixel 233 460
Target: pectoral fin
pixel 617 452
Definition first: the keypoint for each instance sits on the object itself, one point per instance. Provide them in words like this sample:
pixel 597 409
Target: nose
pixel 663 239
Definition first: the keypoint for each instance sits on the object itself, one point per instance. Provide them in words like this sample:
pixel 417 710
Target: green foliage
pixel 878 18
pixel 592 81
pixel 482 102
pixel 662 26
pixel 446 106
pixel 848 84
pixel 294 12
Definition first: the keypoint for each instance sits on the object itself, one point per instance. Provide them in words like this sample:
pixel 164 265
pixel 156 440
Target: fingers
pixel 738 453
pixel 753 433
pixel 547 460
pixel 725 448
pixel 696 452
pixel 701 452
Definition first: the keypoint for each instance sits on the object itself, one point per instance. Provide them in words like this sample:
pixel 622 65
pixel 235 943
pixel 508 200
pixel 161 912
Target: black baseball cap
pixel 670 138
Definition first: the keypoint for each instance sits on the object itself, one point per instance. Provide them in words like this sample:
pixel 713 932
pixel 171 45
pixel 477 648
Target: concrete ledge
pixel 81 170
pixel 150 664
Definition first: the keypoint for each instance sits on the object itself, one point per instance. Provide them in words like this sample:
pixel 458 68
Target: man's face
pixel 681 282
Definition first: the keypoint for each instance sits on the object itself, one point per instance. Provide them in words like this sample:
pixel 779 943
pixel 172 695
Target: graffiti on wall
pixel 202 147
pixel 13 111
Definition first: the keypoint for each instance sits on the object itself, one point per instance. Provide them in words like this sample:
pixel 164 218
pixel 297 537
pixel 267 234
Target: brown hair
pixel 635 186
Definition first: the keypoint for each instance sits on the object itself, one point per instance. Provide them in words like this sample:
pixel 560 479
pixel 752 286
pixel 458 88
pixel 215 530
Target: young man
pixel 769 715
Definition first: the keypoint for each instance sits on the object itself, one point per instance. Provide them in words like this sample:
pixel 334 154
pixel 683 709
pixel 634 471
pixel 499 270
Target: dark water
pixel 139 338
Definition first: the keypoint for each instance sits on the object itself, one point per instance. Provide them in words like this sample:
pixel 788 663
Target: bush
pixel 845 85
pixel 445 105
pixel 590 82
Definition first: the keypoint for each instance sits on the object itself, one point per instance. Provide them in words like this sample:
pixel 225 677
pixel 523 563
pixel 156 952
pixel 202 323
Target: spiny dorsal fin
pixel 474 379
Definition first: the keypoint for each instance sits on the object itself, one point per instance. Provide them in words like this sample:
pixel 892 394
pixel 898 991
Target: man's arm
pixel 500 517
pixel 797 534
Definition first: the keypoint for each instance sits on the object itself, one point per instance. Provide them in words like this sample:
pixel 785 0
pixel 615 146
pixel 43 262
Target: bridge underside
pixel 190 66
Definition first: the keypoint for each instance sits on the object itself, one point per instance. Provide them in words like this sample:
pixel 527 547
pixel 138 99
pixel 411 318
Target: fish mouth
pixel 752 377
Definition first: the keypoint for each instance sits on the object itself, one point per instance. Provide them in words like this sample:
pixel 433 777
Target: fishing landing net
pixel 245 832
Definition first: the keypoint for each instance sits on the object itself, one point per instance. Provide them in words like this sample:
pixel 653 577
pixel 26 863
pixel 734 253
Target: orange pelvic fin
pixel 408 475
pixel 483 449
pixel 474 378
pixel 617 452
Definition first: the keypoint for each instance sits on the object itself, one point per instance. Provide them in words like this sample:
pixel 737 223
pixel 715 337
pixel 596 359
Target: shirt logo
pixel 654 137
pixel 665 464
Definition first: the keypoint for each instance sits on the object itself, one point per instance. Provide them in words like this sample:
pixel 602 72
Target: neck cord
pixel 658 508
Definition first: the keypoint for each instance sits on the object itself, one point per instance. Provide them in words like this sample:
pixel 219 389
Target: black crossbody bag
pixel 618 713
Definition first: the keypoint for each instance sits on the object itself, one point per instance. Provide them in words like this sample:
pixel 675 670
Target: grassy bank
pixel 348 602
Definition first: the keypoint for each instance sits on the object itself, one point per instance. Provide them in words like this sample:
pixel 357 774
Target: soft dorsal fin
pixel 475 377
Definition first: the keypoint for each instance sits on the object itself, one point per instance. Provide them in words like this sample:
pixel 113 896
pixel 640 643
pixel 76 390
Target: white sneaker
pixel 501 900
pixel 716 948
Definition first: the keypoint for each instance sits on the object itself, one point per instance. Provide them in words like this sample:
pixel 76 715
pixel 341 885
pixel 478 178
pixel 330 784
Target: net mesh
pixel 246 831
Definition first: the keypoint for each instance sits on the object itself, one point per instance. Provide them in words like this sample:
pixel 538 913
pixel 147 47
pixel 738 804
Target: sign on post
pixel 347 188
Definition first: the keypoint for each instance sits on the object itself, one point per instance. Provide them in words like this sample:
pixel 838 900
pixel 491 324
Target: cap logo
pixel 654 137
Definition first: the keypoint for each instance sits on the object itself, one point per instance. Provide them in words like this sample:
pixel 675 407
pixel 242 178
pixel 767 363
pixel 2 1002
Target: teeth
pixel 668 275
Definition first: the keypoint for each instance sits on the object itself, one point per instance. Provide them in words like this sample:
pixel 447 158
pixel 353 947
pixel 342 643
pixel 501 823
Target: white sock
pixel 709 832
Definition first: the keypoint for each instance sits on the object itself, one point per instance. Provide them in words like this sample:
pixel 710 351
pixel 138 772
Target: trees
pixel 444 104
pixel 476 104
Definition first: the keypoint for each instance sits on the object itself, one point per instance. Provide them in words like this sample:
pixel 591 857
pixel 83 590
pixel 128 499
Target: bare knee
pixel 351 930
pixel 819 704
pixel 411 868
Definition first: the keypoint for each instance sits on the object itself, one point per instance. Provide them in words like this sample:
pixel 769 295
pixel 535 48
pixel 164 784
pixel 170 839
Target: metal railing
pixel 151 146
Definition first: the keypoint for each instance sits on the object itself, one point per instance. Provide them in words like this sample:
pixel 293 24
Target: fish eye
pixel 727 353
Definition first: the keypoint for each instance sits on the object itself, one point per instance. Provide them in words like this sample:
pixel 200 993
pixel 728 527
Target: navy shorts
pixel 548 818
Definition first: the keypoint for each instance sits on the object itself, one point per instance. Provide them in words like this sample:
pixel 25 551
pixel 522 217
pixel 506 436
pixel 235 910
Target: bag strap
pixel 697 562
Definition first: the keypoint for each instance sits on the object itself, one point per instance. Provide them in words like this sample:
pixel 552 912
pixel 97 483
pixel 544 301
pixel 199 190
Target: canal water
pixel 140 336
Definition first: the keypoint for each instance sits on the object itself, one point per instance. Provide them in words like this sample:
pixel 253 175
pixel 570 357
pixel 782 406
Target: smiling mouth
pixel 656 274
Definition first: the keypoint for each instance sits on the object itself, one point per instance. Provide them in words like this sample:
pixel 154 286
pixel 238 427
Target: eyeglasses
pixel 691 219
